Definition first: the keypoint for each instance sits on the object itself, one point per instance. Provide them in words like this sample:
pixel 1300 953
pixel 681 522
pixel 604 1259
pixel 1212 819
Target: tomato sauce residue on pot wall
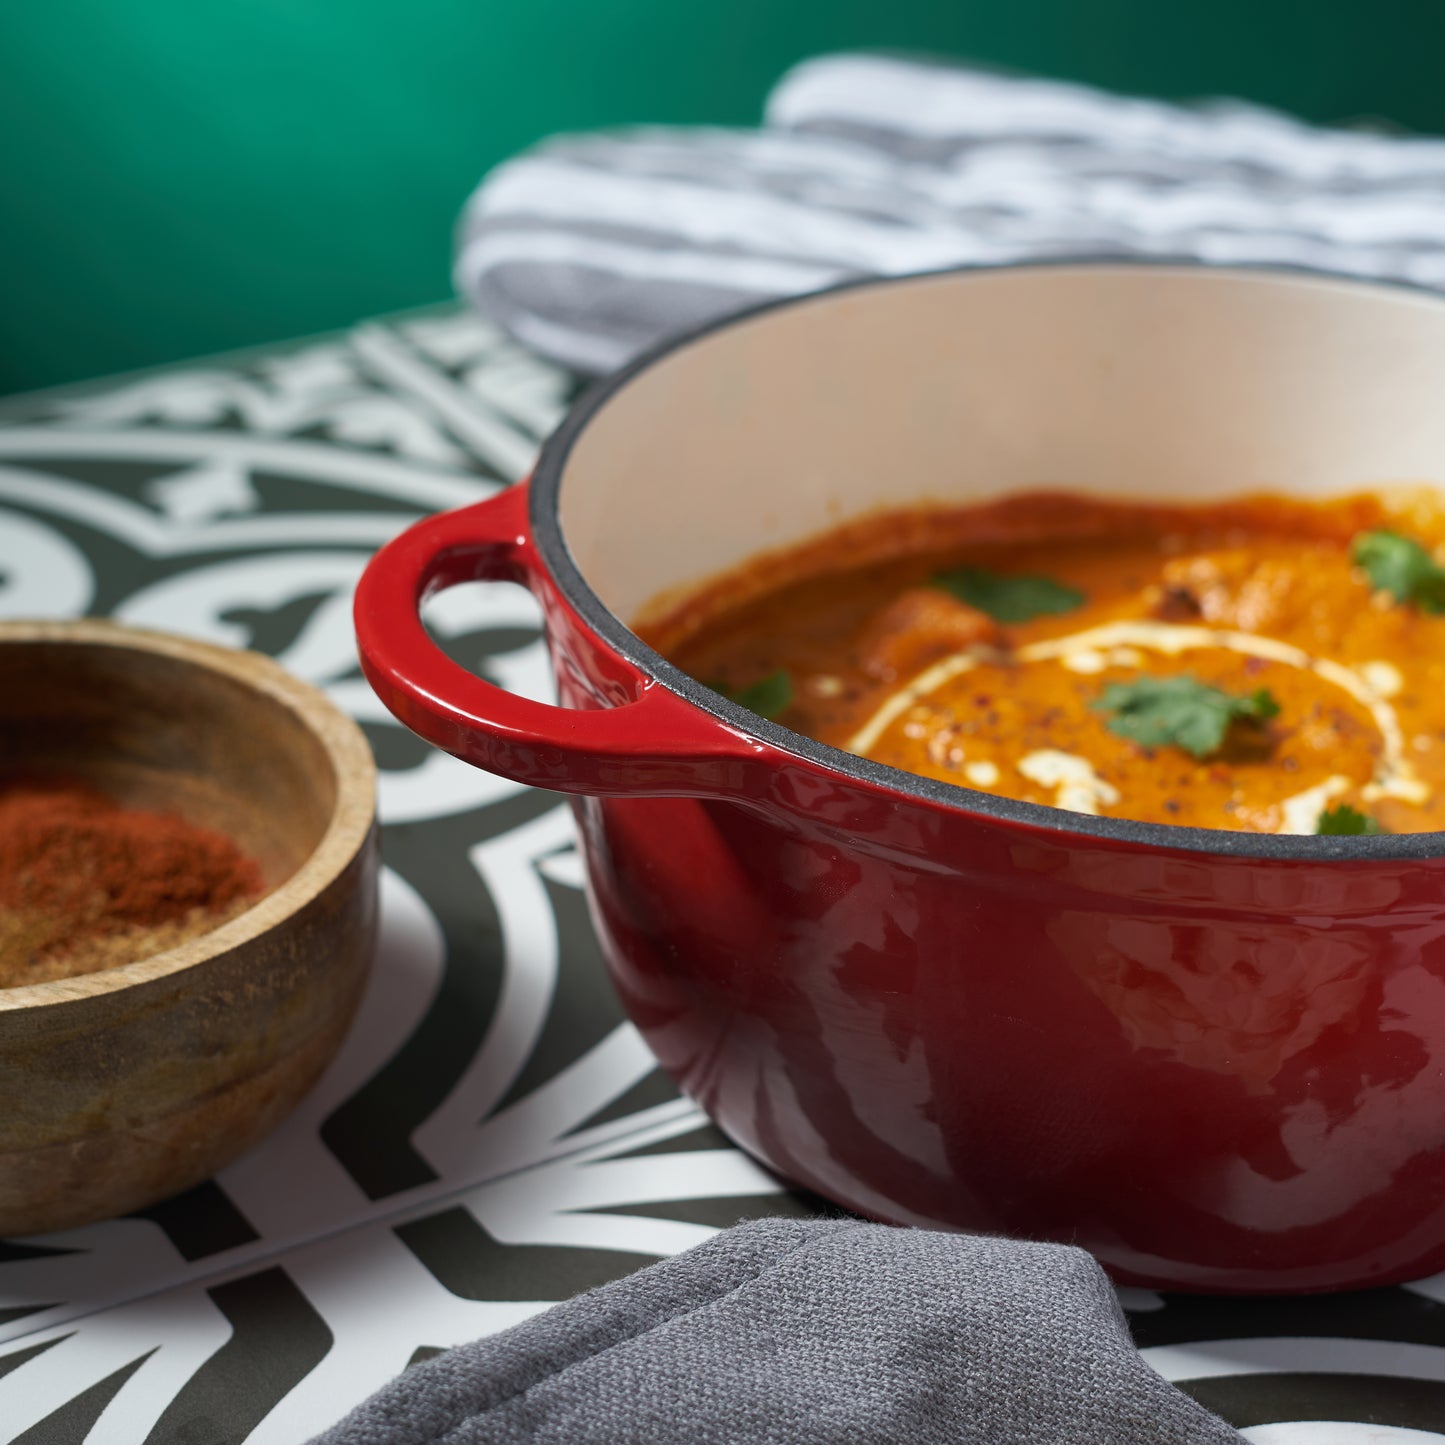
pixel 87 884
pixel 1264 665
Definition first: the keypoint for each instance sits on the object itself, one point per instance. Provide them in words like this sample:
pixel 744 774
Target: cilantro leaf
pixel 1008 599
pixel 1180 711
pixel 1402 567
pixel 1344 821
pixel 769 697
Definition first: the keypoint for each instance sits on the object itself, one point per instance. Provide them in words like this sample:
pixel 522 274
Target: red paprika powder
pixel 86 883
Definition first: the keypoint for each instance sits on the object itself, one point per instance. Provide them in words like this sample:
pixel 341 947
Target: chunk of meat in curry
pixel 918 627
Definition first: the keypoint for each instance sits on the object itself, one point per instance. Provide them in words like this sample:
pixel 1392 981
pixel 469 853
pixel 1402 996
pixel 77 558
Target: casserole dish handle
pixel 640 738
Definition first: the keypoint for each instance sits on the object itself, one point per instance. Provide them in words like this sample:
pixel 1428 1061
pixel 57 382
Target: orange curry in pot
pixel 1268 665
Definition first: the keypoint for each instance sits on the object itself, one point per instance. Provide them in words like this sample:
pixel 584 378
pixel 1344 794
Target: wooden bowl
pixel 125 1086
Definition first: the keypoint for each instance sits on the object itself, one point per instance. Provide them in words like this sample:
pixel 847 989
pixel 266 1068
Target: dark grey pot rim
pixel 547 533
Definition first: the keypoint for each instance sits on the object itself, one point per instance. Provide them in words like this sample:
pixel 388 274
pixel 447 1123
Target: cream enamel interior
pixel 1158 381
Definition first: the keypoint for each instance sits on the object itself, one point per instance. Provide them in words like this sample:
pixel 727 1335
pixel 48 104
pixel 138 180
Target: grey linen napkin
pixel 801 1332
pixel 591 247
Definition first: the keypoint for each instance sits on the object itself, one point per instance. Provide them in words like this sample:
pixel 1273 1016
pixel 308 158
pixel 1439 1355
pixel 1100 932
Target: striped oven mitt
pixel 590 248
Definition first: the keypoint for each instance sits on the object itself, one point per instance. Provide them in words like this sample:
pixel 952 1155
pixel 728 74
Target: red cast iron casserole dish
pixel 1215 1059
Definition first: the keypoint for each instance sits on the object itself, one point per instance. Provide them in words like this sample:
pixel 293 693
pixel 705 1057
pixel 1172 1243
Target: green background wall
pixel 179 176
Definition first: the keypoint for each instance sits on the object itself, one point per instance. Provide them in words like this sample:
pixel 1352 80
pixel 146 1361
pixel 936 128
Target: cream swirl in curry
pixel 1266 665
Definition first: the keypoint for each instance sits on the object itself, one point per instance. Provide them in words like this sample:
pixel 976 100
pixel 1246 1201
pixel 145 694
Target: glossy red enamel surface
pixel 1212 1073
pixel 619 732
pixel 1216 1072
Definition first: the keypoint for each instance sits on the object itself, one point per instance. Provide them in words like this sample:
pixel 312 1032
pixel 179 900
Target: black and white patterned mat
pixel 493 1136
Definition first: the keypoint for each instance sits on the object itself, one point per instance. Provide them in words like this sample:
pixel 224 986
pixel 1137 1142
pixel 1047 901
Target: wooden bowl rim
pixel 346 831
